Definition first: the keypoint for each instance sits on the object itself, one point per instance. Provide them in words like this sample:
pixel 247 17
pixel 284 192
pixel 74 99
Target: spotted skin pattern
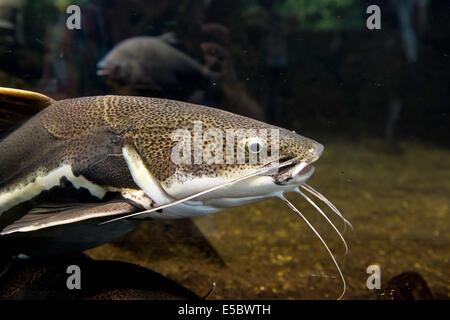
pixel 89 133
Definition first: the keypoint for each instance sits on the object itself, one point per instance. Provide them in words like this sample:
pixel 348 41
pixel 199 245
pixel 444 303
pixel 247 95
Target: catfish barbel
pixel 87 170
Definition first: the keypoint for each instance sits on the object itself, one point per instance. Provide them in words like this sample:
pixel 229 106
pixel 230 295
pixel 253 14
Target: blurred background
pixel 377 99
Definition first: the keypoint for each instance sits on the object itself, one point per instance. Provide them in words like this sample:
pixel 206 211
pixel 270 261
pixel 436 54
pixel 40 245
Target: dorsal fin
pixel 18 105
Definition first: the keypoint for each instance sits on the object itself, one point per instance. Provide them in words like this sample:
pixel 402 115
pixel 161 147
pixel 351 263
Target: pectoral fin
pixel 49 215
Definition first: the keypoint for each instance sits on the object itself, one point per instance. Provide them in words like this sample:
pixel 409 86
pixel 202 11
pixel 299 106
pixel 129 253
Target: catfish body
pixel 82 161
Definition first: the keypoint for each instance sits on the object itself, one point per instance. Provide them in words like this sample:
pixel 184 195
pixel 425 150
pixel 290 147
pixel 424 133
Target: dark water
pixel 377 99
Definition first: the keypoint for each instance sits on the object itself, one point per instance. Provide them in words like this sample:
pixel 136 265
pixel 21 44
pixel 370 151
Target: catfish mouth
pixel 306 169
pixel 296 171
pixel 103 72
pixel 104 69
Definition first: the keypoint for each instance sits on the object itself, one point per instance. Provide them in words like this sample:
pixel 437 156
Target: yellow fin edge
pixel 32 99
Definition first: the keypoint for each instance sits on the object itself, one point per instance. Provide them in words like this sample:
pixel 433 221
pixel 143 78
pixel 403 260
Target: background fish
pixel 152 66
pixel 45 279
pixel 155 67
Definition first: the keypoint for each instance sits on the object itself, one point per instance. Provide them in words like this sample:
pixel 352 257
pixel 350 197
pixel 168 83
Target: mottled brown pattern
pixel 87 131
pixel 148 124
pixel 70 118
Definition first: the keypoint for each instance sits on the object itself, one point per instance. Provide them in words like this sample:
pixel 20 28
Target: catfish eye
pixel 254 147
